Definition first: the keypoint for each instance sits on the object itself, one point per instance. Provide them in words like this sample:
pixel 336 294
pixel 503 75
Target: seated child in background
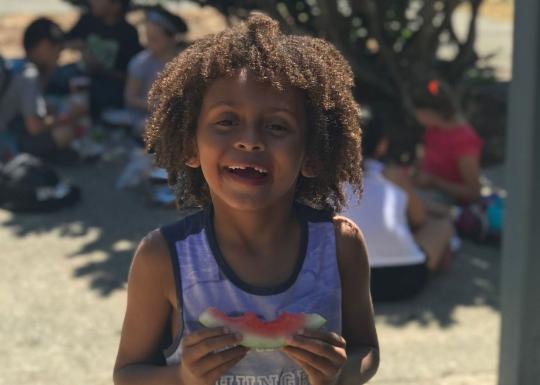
pixel 450 165
pixel 260 130
pixel 405 244
pixel 108 42
pixel 23 110
pixel 163 44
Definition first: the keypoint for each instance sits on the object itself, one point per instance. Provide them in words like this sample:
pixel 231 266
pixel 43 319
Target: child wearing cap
pixel 24 116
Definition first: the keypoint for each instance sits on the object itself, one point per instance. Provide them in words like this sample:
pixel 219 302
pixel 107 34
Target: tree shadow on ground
pixel 119 219
pixel 473 280
pixel 116 219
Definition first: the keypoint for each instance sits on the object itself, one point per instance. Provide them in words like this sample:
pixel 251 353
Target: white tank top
pixel 382 216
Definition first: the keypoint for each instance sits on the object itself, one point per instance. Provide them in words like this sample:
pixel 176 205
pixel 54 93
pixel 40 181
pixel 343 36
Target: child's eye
pixel 277 128
pixel 225 122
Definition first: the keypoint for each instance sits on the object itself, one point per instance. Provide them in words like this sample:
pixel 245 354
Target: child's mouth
pixel 248 173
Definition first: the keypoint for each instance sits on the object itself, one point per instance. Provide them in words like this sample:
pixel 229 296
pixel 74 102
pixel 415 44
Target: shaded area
pixel 473 280
pixel 119 218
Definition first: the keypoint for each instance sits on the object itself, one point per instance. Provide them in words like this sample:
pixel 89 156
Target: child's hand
pixel 321 354
pixel 203 359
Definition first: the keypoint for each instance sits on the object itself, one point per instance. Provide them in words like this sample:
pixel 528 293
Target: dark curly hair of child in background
pixel 309 64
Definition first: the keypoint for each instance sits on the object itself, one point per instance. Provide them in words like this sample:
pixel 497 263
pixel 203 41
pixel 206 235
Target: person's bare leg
pixel 436 204
pixel 434 238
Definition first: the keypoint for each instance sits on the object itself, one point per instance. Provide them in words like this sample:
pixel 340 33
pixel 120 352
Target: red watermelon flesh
pixel 260 334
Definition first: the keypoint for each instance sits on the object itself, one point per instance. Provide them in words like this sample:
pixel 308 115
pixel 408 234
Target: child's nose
pixel 250 140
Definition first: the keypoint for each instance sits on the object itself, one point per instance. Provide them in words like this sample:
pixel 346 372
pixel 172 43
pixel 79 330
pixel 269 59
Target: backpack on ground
pixel 27 184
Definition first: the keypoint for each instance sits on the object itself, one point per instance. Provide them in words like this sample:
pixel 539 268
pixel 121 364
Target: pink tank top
pixel 444 147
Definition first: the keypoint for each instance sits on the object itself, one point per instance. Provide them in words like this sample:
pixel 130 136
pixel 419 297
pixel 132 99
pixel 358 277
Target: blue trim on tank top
pixel 237 281
pixel 173 233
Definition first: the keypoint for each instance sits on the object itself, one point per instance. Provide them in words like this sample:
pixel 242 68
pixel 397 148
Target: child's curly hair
pixel 309 64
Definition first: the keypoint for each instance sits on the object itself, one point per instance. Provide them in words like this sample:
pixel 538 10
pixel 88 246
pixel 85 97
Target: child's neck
pixel 253 230
pixel 262 247
pixel 448 124
pixel 111 18
pixel 44 70
pixel 166 55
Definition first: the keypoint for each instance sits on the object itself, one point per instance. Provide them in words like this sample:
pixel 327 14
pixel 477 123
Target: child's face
pixel 45 54
pixel 158 41
pixel 427 117
pixel 251 142
pixel 101 8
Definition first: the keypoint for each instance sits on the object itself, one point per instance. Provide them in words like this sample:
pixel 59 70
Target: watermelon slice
pixel 259 334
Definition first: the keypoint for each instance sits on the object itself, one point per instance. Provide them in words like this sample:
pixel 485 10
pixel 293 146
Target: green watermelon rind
pixel 257 342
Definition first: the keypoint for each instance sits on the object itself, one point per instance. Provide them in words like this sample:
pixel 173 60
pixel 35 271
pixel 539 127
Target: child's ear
pixel 310 168
pixel 193 162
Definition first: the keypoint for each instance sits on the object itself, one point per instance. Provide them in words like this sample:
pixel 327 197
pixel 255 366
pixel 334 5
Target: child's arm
pixel 132 93
pixel 416 212
pixel 357 308
pixel 150 295
pixel 469 190
pixel 147 313
pixel 323 355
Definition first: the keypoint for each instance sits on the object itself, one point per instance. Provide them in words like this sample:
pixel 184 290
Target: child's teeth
pixel 258 169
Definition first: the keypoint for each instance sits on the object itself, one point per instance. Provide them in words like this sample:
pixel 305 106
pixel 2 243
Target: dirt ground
pixel 502 10
pixel 62 294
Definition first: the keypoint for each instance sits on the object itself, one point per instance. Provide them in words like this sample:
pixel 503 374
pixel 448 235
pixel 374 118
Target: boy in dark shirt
pixel 24 118
pixel 107 42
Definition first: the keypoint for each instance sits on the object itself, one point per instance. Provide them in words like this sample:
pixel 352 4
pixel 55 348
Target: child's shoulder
pixel 191 223
pixel 151 260
pixel 156 247
pixel 345 229
pixel 347 232
pixel 465 128
pixel 351 248
pixel 350 244
pixel 311 214
pixel 465 134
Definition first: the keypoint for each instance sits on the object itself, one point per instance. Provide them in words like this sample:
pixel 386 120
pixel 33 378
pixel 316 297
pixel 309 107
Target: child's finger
pixel 215 373
pixel 213 344
pixel 202 334
pixel 321 364
pixel 212 361
pixel 329 337
pixel 320 348
pixel 310 370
